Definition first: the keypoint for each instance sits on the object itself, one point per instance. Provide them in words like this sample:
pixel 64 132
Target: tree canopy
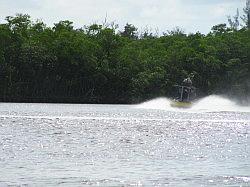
pixel 97 64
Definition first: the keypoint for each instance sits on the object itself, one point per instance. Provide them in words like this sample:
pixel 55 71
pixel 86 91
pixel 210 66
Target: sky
pixel 155 15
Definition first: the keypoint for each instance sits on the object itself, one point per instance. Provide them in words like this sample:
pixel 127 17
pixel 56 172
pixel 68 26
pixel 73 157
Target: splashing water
pixel 158 103
pixel 211 103
pixel 216 103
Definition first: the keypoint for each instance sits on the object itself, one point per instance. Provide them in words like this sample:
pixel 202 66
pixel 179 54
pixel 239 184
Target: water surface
pixel 123 145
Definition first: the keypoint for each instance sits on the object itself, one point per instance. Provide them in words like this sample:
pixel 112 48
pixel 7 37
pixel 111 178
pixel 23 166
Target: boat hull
pixel 181 104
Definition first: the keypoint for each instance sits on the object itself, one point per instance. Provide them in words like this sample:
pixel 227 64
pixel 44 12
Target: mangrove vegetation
pixel 101 63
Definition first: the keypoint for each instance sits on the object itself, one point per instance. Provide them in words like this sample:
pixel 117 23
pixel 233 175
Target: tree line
pixel 99 64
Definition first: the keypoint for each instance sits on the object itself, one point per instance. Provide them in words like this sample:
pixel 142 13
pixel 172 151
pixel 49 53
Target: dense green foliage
pixel 98 64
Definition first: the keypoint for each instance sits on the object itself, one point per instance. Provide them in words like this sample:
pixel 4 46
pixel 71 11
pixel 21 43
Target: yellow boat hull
pixel 181 104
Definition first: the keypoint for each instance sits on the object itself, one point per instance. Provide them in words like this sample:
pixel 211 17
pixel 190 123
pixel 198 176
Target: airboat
pixel 185 96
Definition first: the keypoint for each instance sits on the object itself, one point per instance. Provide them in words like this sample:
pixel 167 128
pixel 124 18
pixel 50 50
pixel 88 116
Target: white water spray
pixel 158 103
pixel 216 103
pixel 212 103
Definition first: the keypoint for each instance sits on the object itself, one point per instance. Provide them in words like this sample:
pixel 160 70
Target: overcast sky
pixel 163 15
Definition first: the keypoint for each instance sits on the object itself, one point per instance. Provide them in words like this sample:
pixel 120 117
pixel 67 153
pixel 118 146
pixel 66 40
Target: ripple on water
pixel 123 146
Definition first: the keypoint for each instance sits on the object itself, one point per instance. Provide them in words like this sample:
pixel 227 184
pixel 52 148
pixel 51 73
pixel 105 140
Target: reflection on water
pixel 122 145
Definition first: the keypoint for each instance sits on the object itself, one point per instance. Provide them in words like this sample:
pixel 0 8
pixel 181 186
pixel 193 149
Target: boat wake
pixel 158 103
pixel 131 119
pixel 212 103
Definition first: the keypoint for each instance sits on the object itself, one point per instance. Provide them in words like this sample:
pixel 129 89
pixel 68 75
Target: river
pixel 150 144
